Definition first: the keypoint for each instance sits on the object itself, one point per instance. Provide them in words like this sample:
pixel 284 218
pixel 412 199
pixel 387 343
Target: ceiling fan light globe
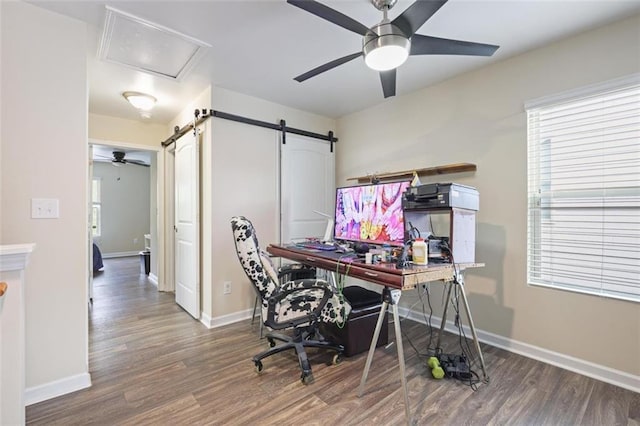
pixel 386 58
pixel 385 47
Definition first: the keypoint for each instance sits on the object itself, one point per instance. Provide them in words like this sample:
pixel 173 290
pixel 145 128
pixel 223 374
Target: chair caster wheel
pixel 337 359
pixel 258 366
pixel 272 342
pixel 306 378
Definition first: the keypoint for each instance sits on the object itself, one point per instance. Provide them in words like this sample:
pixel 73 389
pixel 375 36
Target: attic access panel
pixel 146 46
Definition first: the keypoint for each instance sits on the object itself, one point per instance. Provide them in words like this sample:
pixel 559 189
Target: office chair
pixel 300 305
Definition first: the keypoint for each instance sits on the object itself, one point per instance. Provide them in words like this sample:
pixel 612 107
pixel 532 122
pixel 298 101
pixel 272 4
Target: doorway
pixel 126 204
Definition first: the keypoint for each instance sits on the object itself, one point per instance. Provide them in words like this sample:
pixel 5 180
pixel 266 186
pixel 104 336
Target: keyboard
pixel 317 245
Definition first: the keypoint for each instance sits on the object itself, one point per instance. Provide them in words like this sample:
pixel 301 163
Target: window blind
pixel 584 193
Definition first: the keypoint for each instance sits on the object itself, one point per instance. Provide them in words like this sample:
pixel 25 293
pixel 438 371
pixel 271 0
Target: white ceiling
pixel 258 46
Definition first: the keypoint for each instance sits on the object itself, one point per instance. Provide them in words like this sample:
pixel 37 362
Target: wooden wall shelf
pixel 429 171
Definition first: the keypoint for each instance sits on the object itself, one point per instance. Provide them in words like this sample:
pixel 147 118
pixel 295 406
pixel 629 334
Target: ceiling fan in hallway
pixel 388 44
pixel 119 159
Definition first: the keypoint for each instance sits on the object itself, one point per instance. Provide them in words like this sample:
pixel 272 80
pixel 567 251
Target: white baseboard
pixel 56 388
pixel 154 279
pixel 580 366
pixel 120 254
pixel 210 322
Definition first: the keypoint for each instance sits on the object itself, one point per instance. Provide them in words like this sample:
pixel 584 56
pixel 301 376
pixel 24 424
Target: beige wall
pixel 245 173
pixel 479 118
pixel 114 129
pixel 124 207
pixel 44 155
pixel 239 176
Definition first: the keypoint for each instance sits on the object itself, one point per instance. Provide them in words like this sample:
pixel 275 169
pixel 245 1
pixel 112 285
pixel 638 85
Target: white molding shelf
pixel 13 260
pixel 14 257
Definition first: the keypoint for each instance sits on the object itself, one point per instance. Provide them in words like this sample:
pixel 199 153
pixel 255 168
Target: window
pixel 95 208
pixel 584 190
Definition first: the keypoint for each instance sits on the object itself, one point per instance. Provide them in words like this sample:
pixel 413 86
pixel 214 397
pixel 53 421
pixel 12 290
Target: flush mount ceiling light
pixel 141 101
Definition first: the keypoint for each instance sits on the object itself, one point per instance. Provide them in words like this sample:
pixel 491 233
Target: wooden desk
pixel 385 274
pixel 394 280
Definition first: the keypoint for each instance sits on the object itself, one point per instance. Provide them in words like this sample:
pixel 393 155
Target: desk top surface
pixel 387 274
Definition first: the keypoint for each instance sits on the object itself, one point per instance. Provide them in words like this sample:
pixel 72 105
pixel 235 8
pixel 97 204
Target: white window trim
pixel 583 91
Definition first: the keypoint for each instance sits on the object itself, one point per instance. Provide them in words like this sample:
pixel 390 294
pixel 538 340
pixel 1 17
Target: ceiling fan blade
pixel 416 15
pixel 331 15
pixel 427 45
pixel 388 79
pixel 326 67
pixel 137 163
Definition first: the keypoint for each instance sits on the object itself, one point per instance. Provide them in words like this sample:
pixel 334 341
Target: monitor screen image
pixel 370 213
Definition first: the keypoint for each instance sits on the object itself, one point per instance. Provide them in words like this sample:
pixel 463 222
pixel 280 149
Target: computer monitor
pixel 370 213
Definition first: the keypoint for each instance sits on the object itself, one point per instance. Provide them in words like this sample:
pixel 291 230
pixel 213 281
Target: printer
pixel 441 195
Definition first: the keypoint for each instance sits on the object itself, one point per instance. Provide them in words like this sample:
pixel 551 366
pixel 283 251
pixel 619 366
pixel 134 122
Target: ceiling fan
pixel 119 160
pixel 386 45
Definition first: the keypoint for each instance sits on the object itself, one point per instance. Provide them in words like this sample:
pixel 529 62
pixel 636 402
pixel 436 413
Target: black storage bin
pixel 145 262
pixel 357 333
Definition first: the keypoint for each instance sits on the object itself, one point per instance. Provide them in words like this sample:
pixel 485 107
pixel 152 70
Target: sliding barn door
pixel 187 224
pixel 307 176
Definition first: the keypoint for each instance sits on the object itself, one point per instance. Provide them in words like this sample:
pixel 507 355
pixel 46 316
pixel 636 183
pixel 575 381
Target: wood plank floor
pixel 151 363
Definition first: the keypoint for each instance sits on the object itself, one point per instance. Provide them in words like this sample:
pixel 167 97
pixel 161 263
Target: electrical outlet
pixel 227 287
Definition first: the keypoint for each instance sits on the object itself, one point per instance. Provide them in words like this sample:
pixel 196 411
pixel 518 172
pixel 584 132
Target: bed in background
pixel 97 258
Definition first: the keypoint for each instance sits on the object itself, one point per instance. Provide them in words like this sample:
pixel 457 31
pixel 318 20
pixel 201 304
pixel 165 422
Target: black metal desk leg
pixel 389 297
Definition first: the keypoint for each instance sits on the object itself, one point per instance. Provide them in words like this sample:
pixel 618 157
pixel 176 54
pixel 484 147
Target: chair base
pixel 298 342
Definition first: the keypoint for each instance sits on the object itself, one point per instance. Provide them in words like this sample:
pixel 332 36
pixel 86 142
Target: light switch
pixel 44 208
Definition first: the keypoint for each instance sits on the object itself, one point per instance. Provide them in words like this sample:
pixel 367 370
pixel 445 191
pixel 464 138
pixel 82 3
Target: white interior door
pixel 307 186
pixel 187 224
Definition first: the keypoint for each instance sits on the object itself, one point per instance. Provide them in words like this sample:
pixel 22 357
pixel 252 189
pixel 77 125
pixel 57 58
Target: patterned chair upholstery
pixel 299 305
